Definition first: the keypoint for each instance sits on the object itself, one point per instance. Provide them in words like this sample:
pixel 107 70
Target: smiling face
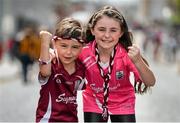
pixel 68 40
pixel 68 50
pixel 107 32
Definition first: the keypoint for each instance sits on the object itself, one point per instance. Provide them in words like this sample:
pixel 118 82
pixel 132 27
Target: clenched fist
pixel 45 36
pixel 134 53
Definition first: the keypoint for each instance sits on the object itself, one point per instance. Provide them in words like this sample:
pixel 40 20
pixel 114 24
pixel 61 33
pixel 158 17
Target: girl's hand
pixel 45 37
pixel 134 53
pixel 146 74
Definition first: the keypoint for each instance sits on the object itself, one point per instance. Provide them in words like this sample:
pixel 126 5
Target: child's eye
pixel 101 29
pixel 113 30
pixel 76 47
pixel 62 45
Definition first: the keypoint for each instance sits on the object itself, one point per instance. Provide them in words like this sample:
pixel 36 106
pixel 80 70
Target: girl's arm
pixel 146 74
pixel 45 58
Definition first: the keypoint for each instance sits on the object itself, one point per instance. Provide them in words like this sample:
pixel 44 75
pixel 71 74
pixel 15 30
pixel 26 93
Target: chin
pixel 66 62
pixel 107 46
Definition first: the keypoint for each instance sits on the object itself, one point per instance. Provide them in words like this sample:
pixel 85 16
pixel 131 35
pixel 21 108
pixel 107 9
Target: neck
pixel 70 68
pixel 104 54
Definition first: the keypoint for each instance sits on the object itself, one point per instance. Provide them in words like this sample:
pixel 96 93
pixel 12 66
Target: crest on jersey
pixel 119 75
pixel 58 81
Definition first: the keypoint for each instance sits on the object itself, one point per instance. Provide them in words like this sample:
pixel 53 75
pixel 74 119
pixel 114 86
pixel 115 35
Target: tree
pixel 175 6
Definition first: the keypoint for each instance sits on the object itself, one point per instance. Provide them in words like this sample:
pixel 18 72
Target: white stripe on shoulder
pixel 91 65
pixel 85 47
pixel 86 59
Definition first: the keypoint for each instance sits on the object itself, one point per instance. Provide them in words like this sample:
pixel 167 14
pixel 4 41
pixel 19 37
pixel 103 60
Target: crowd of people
pixel 160 42
pixel 24 47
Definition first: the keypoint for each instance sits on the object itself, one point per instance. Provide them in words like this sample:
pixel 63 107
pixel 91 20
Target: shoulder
pixel 88 47
pixel 86 51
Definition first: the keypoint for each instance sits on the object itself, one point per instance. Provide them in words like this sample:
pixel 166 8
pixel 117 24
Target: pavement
pixel 18 101
pixel 8 68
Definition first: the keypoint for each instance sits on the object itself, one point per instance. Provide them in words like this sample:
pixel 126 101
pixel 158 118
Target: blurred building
pixel 44 12
pixel 149 10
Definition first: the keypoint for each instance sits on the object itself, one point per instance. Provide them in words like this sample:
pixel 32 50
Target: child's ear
pixel 92 31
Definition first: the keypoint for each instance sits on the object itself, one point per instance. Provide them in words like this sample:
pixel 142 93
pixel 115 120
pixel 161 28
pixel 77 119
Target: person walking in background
pixel 1 50
pixel 61 75
pixel 157 42
pixel 29 50
pixel 109 57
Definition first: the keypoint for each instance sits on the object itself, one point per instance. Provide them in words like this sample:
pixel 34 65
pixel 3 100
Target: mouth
pixel 68 58
pixel 106 41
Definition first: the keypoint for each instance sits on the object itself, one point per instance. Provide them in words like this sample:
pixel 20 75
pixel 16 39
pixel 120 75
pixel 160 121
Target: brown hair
pixel 126 38
pixel 69 28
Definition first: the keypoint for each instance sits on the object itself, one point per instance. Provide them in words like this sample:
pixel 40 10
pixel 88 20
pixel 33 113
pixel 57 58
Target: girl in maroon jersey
pixel 61 75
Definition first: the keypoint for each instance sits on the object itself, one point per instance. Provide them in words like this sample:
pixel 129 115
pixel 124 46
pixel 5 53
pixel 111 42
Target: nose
pixel 107 34
pixel 69 50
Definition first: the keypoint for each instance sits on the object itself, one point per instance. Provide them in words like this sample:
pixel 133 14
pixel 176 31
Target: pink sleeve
pixel 132 68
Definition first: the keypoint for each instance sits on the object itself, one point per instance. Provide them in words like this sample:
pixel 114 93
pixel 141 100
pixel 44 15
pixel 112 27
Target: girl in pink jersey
pixel 109 57
pixel 60 75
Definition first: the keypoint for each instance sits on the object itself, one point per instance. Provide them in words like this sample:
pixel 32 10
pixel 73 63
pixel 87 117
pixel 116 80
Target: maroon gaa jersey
pixel 57 102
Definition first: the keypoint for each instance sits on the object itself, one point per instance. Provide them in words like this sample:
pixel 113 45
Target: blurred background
pixel 155 25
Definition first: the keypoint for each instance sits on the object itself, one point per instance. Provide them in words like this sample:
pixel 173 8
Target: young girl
pixel 109 58
pixel 62 76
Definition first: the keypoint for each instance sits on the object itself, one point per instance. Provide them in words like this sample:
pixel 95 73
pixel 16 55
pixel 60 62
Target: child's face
pixel 107 32
pixel 68 50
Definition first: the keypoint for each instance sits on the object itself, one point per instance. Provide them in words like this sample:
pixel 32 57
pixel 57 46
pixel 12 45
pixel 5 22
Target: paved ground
pixel 18 101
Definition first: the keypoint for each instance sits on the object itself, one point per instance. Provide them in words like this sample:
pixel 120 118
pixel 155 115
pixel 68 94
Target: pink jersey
pixel 57 102
pixel 121 92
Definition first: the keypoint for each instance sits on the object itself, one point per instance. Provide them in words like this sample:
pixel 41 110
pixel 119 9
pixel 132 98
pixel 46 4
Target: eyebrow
pixel 64 43
pixel 115 28
pixel 110 28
